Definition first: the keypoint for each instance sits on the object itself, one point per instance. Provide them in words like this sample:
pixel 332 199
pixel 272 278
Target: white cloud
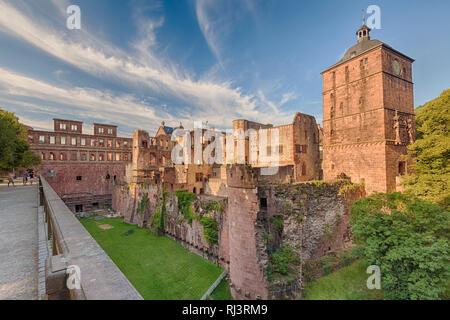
pixel 217 102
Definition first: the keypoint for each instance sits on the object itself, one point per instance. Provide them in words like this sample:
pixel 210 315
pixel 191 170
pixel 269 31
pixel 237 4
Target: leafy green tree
pixel 14 149
pixel 431 152
pixel 408 238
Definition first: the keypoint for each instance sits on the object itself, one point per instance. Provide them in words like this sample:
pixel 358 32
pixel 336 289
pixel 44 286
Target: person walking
pixel 11 178
pixel 25 177
pixel 31 177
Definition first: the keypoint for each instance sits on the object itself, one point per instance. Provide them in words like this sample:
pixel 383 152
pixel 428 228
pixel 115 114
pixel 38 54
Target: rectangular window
pixel 93 143
pixel 101 143
pixel 301 148
pixel 110 156
pixel 125 156
pixel 79 178
pixel 63 140
pixel 52 140
pixel 110 143
pixel 125 143
pixel 74 141
pixel 41 139
pixel 101 130
pixel 83 141
pixel 74 156
pixel 117 144
pixel 280 149
pixel 62 126
pixel 198 177
pixel 117 156
pixel 74 127
pixel 83 157
pixel 269 150
pixel 366 60
pixel 92 157
pixel 110 131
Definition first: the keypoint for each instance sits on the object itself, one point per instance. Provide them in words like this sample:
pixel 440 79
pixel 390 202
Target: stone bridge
pixel 42 244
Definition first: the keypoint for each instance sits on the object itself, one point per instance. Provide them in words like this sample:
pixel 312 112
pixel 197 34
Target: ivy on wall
pixel 210 230
pixel 209 224
pixel 142 204
pixel 185 199
pixel 158 220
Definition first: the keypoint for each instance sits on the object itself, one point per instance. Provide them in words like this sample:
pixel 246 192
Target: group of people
pixel 28 176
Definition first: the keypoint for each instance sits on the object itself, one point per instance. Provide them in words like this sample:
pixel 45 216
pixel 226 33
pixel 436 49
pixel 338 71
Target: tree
pixel 431 152
pixel 14 149
pixel 408 238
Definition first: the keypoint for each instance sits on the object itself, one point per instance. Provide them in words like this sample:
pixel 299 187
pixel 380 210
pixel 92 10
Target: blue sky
pixel 135 63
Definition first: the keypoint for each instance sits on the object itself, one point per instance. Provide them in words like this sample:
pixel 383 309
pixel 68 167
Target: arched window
pixel 52 156
pixel 42 156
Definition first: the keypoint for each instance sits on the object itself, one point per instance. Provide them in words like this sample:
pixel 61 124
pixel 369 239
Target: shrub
pixel 282 260
pixel 210 230
pixel 185 199
pixel 408 238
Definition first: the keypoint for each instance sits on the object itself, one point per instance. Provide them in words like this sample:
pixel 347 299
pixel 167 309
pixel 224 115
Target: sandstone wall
pixel 127 200
pixel 314 219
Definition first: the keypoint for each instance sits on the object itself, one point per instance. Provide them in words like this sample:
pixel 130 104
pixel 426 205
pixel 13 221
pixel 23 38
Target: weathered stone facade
pixel 368 113
pixel 314 217
pixel 81 168
pixel 298 146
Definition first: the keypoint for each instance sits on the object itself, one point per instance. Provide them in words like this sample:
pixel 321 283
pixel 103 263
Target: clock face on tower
pixel 396 67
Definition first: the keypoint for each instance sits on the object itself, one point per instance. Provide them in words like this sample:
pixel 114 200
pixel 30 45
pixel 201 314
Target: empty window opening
pixel 79 178
pixel 263 203
pixel 79 208
pixel 401 168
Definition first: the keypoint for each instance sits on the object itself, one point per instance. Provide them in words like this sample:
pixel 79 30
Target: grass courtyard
pixel 158 267
pixel 348 283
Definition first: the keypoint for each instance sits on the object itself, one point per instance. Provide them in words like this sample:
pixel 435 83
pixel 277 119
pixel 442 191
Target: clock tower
pixel 368 114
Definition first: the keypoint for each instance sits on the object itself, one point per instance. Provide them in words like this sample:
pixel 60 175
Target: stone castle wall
pixel 314 217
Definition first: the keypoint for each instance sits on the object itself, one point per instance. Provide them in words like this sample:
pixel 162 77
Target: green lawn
pixel 158 267
pixel 348 283
pixel 222 291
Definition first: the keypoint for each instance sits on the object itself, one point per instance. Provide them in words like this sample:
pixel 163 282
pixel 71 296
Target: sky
pixel 136 63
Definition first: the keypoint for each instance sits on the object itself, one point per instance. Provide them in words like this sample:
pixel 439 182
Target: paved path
pixel 18 242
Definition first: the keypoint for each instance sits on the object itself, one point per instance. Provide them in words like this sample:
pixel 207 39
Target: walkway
pixel 18 242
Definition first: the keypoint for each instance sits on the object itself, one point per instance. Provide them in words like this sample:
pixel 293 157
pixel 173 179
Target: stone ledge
pixel 101 279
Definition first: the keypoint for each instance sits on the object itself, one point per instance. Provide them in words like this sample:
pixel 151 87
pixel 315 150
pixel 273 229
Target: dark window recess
pixel 79 178
pixel 79 208
pixel 263 203
pixel 401 168
pixel 95 205
pixel 108 176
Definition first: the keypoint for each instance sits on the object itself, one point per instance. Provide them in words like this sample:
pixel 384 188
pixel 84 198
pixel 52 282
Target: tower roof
pixel 364 45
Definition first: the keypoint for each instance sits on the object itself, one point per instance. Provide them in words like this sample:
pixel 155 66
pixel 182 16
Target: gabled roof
pixel 168 130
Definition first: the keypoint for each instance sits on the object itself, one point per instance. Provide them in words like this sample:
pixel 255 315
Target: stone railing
pixel 76 267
